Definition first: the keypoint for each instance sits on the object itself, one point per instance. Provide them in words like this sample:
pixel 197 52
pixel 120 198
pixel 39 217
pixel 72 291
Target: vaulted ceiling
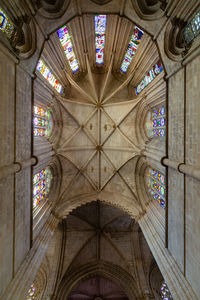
pixel 100 122
pixel 99 137
pixel 104 254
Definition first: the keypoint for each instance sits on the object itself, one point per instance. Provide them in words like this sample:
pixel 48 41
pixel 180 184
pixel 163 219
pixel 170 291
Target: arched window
pixel 41 186
pixel 164 292
pixel 31 293
pixel 42 121
pixel 66 42
pixel 46 73
pixel 192 30
pixel 149 77
pixel 100 28
pixel 156 121
pixel 156 185
pixel 6 25
pixel 132 48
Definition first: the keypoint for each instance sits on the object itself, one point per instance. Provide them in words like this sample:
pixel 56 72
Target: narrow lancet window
pixel 42 122
pixel 156 186
pixel 192 30
pixel 156 122
pixel 41 186
pixel 66 42
pixel 149 77
pixel 47 74
pixel 165 293
pixel 132 48
pixel 6 25
pixel 100 28
pixel 31 293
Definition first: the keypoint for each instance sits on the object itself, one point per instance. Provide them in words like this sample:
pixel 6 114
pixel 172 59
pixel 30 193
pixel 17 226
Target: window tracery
pixel 42 121
pixel 6 25
pixel 41 186
pixel 165 293
pixel 149 77
pixel 156 186
pixel 31 293
pixel 66 42
pixel 156 121
pixel 192 30
pixel 132 48
pixel 47 74
pixel 100 28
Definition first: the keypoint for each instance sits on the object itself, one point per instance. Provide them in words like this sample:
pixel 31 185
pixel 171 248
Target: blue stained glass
pixel 165 293
pixel 156 185
pixel 100 28
pixel 41 186
pixel 148 78
pixel 66 42
pixel 192 30
pixel 6 25
pixel 156 122
pixel 46 73
pixel 132 48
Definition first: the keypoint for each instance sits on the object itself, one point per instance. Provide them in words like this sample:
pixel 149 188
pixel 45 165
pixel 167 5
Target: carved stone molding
pixel 26 39
pixel 149 10
pixel 52 9
pixel 101 268
pixel 172 42
pixel 101 2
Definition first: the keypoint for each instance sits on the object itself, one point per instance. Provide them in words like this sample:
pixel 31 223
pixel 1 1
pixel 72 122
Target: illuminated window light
pixel 132 48
pixel 149 77
pixel 46 73
pixel 66 42
pixel 42 122
pixel 100 28
pixel 6 25
pixel 41 186
pixel 156 186
pixel 192 30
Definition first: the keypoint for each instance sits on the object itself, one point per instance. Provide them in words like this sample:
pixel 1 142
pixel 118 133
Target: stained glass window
pixel 41 121
pixel 6 25
pixel 66 42
pixel 100 28
pixel 156 122
pixel 46 73
pixel 165 293
pixel 41 186
pixel 132 48
pixel 149 77
pixel 156 186
pixel 192 29
pixel 31 293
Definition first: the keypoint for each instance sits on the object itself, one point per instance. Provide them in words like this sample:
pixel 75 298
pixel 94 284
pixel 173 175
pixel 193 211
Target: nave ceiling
pixel 99 124
pixel 101 252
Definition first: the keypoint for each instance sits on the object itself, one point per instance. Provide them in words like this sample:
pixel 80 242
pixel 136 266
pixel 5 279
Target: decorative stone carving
pixel 26 39
pixel 101 1
pixel 174 48
pixel 149 10
pixel 52 9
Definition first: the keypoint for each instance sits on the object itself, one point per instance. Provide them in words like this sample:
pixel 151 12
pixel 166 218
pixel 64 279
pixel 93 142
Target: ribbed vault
pixel 100 134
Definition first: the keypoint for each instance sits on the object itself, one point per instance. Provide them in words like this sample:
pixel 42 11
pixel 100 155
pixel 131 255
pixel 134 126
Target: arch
pixel 53 9
pixel 40 283
pixel 101 268
pixel 114 199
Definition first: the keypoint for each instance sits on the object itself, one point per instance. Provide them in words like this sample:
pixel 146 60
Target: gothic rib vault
pixel 99 136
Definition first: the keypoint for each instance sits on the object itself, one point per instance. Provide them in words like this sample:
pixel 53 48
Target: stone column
pixel 186 169
pixel 19 286
pixel 16 167
pixel 177 283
